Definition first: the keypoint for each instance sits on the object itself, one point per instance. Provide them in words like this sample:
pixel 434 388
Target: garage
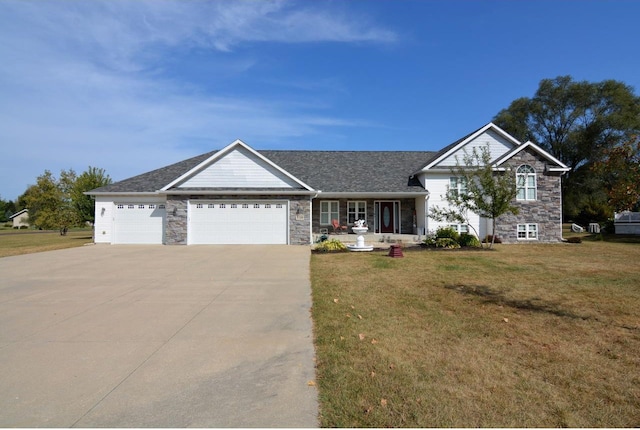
pixel 238 222
pixel 139 223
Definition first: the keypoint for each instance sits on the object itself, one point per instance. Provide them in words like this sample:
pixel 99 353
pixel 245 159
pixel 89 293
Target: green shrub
pixel 24 227
pixel 469 240
pixel 430 239
pixel 333 245
pixel 447 242
pixel 447 233
pixel 574 239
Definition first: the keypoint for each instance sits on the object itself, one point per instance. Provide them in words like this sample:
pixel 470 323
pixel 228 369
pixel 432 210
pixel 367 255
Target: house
pixel 241 195
pixel 20 219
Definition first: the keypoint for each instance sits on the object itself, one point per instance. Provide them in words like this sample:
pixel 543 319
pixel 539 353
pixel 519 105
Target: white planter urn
pixel 360 229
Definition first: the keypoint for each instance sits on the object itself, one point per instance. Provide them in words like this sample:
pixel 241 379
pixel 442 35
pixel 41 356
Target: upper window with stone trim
pixel 526 183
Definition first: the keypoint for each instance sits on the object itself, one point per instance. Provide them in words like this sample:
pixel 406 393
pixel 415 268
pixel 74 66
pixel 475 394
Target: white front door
pixel 238 222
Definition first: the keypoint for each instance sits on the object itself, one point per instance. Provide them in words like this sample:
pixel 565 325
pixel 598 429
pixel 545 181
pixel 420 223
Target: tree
pixel 90 179
pixel 620 171
pixel 49 202
pixel 488 194
pixel 577 122
pixel 7 208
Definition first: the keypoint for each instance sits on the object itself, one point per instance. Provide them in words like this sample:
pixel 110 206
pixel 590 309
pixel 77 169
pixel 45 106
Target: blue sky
pixel 130 86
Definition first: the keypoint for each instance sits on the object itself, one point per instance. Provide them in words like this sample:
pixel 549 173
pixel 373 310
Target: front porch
pixel 378 241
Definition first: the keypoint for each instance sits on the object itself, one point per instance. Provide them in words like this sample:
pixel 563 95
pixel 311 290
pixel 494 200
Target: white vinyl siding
pixel 239 169
pixel 329 210
pixel 498 146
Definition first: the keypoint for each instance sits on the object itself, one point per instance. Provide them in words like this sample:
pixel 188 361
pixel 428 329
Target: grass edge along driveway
pixel 524 336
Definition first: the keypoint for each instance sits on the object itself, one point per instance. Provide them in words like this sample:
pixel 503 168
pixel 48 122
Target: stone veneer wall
pixel 407 208
pixel 176 225
pixel 546 210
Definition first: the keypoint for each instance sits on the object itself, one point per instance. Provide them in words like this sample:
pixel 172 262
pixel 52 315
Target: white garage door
pixel 139 223
pixel 238 222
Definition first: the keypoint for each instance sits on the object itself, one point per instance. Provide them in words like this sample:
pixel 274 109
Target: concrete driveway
pixel 157 336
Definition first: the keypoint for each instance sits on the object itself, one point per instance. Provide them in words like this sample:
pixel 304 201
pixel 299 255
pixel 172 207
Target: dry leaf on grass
pixel 359 316
pixel 335 300
pixel 383 403
pixel 505 319
pixel 311 383
pixel 373 341
pixel 361 336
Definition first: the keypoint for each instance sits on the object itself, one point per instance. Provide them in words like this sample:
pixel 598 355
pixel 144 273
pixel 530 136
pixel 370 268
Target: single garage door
pixel 238 222
pixel 139 223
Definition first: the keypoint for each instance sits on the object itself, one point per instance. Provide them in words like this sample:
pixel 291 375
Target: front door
pixel 387 221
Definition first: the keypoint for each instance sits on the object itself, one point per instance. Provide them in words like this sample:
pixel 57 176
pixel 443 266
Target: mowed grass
pixel 523 336
pixel 14 242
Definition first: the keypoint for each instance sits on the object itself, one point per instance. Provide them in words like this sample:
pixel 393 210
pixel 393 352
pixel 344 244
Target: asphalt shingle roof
pixel 327 171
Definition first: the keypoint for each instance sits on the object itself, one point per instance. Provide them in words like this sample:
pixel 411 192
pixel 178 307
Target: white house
pixel 240 195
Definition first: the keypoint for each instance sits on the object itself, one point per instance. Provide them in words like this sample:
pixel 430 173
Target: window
pixel 458 186
pixel 356 211
pixel 460 228
pixel 131 206
pixel 328 211
pixel 161 206
pixel 234 206
pixel 199 206
pixel 211 206
pixel 526 183
pixel 256 206
pixel 152 206
pixel 120 206
pixel 245 206
pixel 527 231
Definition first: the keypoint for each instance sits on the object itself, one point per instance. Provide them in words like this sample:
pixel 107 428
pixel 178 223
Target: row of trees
pixel 592 127
pixel 60 203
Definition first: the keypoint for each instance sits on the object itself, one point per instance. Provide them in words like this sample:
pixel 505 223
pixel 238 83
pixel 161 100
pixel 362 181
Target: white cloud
pixel 82 82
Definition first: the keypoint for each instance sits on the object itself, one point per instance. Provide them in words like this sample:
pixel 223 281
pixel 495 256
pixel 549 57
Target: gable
pixel 498 146
pixel 239 167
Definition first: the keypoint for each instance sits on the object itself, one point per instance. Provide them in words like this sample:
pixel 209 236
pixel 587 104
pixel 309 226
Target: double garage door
pixel 238 222
pixel 209 222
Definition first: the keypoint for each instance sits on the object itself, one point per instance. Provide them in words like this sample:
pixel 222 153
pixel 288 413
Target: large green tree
pixel 577 122
pixel 620 170
pixel 488 193
pixel 49 201
pixel 90 179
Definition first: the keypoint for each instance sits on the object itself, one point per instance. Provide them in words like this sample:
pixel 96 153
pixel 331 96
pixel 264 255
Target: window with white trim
pixel 328 211
pixel 526 183
pixel 527 231
pixel 458 186
pixel 356 210
pixel 460 228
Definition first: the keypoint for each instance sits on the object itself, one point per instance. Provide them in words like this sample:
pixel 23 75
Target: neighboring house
pixel 20 219
pixel 626 222
pixel 240 195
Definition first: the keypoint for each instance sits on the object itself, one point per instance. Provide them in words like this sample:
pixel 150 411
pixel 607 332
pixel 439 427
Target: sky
pixel 133 85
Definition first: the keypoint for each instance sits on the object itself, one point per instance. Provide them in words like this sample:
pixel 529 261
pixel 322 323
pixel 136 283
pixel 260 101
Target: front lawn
pixel 523 336
pixel 17 242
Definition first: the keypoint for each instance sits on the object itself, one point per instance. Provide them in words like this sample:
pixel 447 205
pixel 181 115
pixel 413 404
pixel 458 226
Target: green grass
pixel 523 336
pixel 17 242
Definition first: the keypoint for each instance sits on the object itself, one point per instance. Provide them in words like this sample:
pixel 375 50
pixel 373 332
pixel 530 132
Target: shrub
pixel 430 239
pixel 24 227
pixel 447 233
pixel 574 239
pixel 469 240
pixel 333 245
pixel 447 242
